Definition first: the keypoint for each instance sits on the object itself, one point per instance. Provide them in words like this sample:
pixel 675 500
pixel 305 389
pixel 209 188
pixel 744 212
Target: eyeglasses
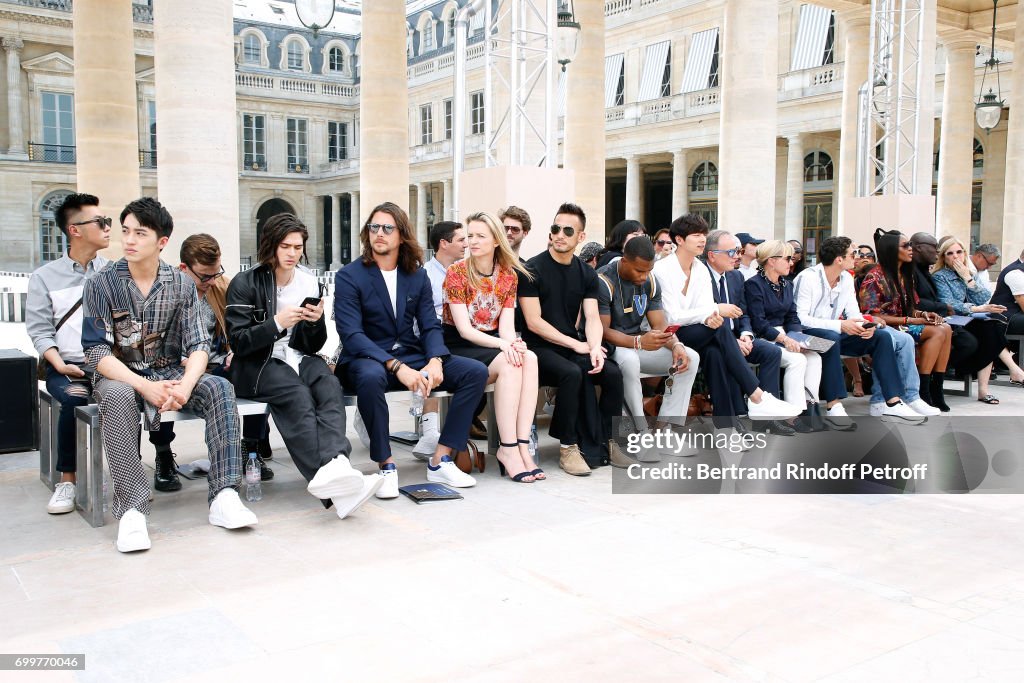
pixel 906 245
pixel 663 243
pixel 206 278
pixel 100 221
pixel 514 229
pixel 377 227
pixel 790 259
pixel 865 254
pixel 958 252
pixel 731 253
pixel 567 229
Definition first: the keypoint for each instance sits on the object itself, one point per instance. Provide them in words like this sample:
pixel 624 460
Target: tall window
pixel 705 178
pixel 979 154
pixel 295 56
pixel 252 49
pixel 666 75
pixel 620 86
pixel 451 27
pixel 59 127
pixel 297 155
pixel 830 41
pixel 426 124
pixel 817 167
pixel 336 60
pixel 151 108
pixel 448 119
pixel 476 109
pixel 52 242
pixel 337 140
pixel 254 142
pixel 427 36
pixel 715 67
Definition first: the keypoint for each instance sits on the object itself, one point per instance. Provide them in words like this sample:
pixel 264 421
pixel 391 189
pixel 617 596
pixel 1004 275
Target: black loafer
pixel 165 478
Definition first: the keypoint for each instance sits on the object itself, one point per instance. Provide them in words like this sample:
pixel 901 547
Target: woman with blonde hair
pixel 479 322
pixel 957 287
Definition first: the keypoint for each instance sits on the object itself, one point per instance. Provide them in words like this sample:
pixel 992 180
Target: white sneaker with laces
pixel 838 419
pixel 388 488
pixel 335 479
pixel 875 409
pixel 63 499
pixel 902 413
pixel 346 505
pixel 227 511
pixel 922 408
pixel 447 472
pixel 771 408
pixel 131 532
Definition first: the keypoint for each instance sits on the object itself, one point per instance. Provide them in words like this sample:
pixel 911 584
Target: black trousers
pixel 724 367
pixel 983 339
pixel 567 370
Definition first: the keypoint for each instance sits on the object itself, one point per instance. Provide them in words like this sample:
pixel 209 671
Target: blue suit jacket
pixel 737 297
pixel 370 328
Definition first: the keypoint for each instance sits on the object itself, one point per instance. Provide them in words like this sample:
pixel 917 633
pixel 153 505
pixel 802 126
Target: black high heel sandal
pixel 521 477
pixel 538 474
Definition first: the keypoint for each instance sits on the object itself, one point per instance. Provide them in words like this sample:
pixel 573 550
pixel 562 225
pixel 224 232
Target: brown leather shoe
pixel 571 460
pixel 617 457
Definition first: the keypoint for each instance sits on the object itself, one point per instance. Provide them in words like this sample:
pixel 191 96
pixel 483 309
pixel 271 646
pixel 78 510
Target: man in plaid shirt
pixel 141 317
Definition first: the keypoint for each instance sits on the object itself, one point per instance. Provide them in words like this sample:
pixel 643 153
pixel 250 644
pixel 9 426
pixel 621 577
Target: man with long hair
pixel 377 300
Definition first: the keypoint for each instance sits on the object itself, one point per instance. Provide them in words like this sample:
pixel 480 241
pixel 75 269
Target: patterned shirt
pixel 484 304
pixel 877 296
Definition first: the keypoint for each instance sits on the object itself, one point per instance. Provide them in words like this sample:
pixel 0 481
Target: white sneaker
pixel 922 408
pixel 346 505
pixel 335 479
pixel 425 447
pixel 771 408
pixel 131 532
pixel 902 413
pixel 227 511
pixel 360 428
pixel 837 418
pixel 449 473
pixel 388 488
pixel 63 499
pixel 875 409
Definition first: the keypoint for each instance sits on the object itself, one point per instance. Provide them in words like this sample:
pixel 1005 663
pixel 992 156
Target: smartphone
pixel 868 326
pixel 671 329
pixel 310 301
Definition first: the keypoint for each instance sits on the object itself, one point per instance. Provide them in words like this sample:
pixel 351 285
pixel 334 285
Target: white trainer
pixel 922 408
pixel 131 532
pixel 837 418
pixel 902 413
pixel 335 479
pixel 227 511
pixel 771 408
pixel 448 473
pixel 346 505
pixel 875 409
pixel 388 488
pixel 63 499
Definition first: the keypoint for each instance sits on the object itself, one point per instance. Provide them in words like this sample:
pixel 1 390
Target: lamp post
pixel 567 34
pixel 989 107
pixel 315 14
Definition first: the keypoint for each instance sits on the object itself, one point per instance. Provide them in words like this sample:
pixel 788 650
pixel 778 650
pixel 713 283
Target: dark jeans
pixel 884 366
pixel 725 368
pixel 565 369
pixel 465 378
pixel 70 395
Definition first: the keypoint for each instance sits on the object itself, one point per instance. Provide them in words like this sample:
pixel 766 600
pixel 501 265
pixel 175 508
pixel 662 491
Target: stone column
pixel 856 53
pixel 1013 204
pixel 993 188
pixel 16 132
pixel 584 120
pixel 795 189
pixel 197 171
pixel 335 231
pixel 384 131
pixel 357 225
pixel 680 183
pixel 746 169
pixel 956 142
pixel 633 181
pixel 446 214
pixel 926 101
pixel 421 215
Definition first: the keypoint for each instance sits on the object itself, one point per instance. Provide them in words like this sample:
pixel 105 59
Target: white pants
pixel 803 371
pixel 676 402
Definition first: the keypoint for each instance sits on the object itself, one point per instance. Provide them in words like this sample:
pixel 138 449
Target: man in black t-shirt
pixel 562 294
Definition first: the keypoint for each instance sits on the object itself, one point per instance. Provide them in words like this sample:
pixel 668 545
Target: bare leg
pixel 507 390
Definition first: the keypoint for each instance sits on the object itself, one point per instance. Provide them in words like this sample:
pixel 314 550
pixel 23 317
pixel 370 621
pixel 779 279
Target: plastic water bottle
pixel 253 484
pixel 532 447
pixel 416 402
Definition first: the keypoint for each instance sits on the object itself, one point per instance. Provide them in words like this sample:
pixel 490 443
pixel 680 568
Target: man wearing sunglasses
pixel 54 322
pixel 517 226
pixel 562 297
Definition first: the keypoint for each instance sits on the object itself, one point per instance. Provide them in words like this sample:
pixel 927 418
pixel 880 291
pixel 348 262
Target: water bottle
pixel 532 447
pixel 416 402
pixel 253 484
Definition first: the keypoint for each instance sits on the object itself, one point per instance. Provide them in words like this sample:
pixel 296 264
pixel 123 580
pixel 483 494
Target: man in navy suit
pixel 377 300
pixel 721 254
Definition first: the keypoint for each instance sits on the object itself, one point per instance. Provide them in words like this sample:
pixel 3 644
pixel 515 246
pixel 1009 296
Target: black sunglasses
pixel 865 254
pixel 100 221
pixel 567 229
pixel 514 229
pixel 662 243
pixel 206 278
pixel 377 227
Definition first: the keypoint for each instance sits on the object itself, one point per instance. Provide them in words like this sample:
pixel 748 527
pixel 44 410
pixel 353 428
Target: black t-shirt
pixel 561 290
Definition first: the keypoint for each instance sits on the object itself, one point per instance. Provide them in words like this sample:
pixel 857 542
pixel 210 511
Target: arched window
pixel 979 154
pixel 817 167
pixel 336 60
pixel 705 178
pixel 295 56
pixel 52 242
pixel 252 50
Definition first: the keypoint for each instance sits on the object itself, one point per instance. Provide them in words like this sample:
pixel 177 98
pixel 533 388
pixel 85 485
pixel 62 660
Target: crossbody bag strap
pixel 67 316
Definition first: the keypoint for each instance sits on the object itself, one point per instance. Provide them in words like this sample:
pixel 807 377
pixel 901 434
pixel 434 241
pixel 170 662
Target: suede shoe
pixel 617 458
pixel 571 460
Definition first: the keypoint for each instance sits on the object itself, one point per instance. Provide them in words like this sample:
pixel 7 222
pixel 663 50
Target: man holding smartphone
pixel 627 296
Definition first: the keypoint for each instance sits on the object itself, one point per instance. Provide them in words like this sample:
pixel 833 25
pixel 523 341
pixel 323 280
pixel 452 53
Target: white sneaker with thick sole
pixel 771 408
pixel 346 505
pixel 131 532
pixel 901 413
pixel 837 418
pixel 875 409
pixel 389 482
pixel 63 499
pixel 336 479
pixel 922 408
pixel 227 511
pixel 447 472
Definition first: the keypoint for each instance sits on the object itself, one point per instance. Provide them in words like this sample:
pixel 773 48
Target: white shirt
pixel 391 281
pixel 303 284
pixel 697 304
pixel 748 271
pixel 436 273
pixel 820 305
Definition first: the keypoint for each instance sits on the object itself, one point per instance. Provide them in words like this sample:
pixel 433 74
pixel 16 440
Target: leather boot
pixel 938 391
pixel 264 449
pixel 165 478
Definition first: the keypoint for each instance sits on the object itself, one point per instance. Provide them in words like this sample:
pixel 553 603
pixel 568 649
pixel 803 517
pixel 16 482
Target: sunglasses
pixel 100 221
pixel 955 253
pixel 663 243
pixel 788 258
pixel 731 253
pixel 797 252
pixel 206 278
pixel 514 229
pixel 377 227
pixel 865 254
pixel 906 245
pixel 567 229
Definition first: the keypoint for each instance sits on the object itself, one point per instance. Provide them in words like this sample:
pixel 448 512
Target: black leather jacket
pixel 251 306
